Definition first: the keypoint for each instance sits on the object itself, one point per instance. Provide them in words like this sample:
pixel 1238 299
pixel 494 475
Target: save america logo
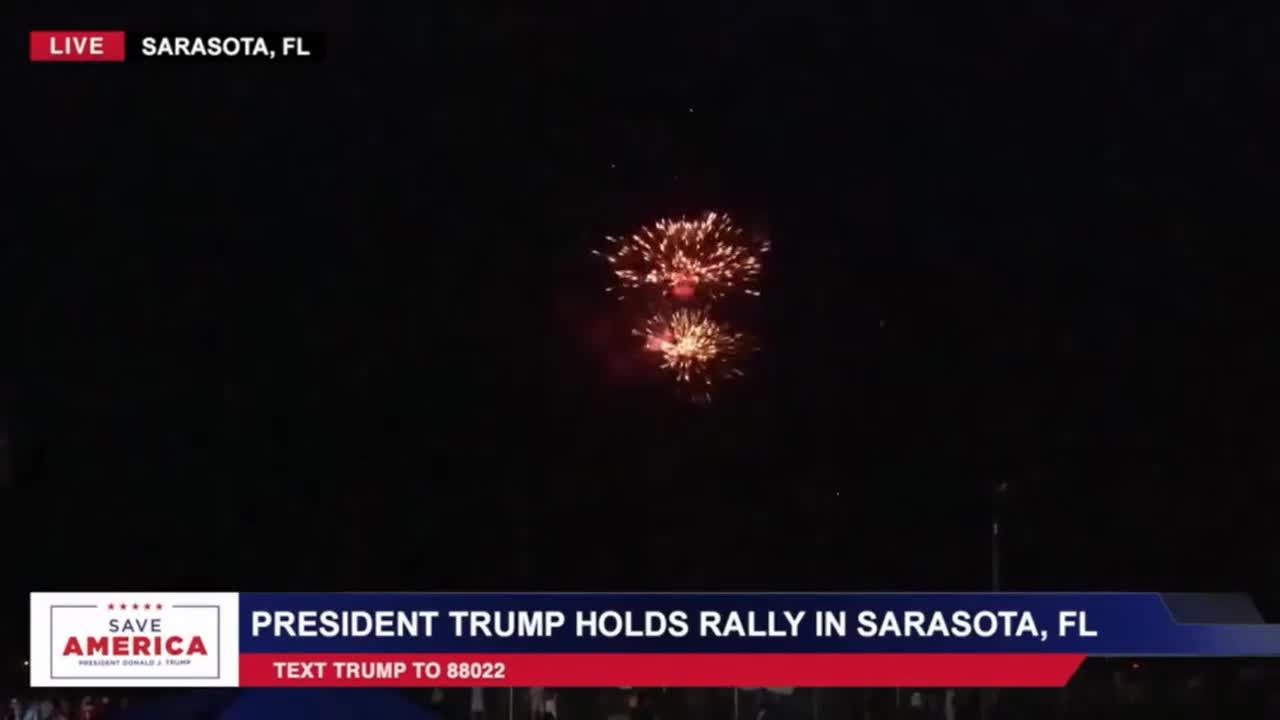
pixel 94 637
pixel 137 639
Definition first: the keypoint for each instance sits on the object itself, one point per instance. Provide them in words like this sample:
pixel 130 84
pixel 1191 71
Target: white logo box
pixel 131 639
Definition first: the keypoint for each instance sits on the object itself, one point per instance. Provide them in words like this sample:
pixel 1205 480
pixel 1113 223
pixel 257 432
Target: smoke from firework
pixel 685 259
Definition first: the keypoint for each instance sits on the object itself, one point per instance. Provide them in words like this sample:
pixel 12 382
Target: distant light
pixel 26 663
pixel 690 109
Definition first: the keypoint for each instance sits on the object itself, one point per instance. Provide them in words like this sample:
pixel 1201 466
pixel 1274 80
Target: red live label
pixel 77 46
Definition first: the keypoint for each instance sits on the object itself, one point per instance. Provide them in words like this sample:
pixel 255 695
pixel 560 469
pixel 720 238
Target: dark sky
pixel 338 327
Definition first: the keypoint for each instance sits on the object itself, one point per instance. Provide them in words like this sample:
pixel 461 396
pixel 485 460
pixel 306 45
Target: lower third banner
pixel 637 640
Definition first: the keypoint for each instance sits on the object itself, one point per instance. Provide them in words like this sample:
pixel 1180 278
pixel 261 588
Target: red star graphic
pixel 135 606
pixel 111 606
pixel 147 606
pixel 158 606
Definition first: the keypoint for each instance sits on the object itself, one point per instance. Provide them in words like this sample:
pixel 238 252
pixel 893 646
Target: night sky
pixel 338 327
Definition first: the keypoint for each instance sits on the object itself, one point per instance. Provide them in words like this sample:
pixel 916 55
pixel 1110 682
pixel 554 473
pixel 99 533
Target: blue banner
pixel 1110 624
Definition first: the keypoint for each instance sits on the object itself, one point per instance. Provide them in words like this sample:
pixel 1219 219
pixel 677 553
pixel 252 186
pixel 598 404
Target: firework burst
pixel 683 259
pixel 694 348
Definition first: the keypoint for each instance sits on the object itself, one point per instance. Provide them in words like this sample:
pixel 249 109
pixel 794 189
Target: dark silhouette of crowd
pixel 1103 689
pixel 32 705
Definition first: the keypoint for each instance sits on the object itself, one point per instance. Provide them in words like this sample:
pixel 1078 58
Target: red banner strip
pixel 77 46
pixel 656 670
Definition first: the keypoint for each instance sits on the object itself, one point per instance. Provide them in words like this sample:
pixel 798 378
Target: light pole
pixel 997 513
pixel 997 505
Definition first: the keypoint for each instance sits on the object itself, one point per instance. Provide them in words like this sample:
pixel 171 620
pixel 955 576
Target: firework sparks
pixel 697 350
pixel 708 257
